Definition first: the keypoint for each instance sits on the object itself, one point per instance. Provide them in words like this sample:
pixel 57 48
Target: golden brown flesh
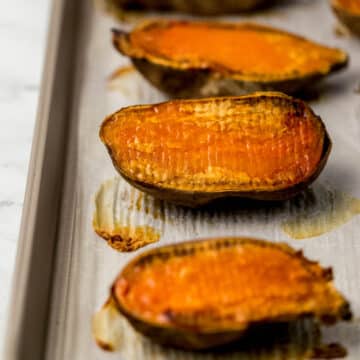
pixel 200 7
pixel 201 294
pixel 348 11
pixel 192 59
pixel 267 146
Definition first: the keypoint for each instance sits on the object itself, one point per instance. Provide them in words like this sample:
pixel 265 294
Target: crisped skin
pixel 224 284
pixel 262 142
pixel 246 52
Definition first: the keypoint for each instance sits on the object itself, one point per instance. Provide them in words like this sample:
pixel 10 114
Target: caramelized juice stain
pixel 357 89
pixel 118 210
pixel 126 81
pixel 156 209
pixel 328 351
pixel 139 201
pixel 331 212
pixel 341 30
pixel 127 238
pixel 151 206
pixel 146 204
pixel 131 202
pixel 120 81
pixel 107 327
pixel 120 72
pixel 159 210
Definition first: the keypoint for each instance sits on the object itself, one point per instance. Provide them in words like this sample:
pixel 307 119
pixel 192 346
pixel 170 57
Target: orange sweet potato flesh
pixel 226 284
pixel 348 11
pixel 352 6
pixel 246 52
pixel 265 142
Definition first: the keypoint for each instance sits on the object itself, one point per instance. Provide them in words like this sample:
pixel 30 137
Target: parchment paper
pixel 86 265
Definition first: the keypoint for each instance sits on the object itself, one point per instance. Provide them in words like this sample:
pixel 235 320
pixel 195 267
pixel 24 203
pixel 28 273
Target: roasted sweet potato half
pixel 201 294
pixel 197 59
pixel 348 11
pixel 200 7
pixel 266 146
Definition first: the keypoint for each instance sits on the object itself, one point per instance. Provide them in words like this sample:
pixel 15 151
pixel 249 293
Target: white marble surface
pixel 23 27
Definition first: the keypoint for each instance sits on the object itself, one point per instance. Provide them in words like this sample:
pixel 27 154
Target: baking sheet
pixel 85 265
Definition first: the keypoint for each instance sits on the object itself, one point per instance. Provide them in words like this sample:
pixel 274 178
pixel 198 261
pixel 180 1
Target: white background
pixel 23 25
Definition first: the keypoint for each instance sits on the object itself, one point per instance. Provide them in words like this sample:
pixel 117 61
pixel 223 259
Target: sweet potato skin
pixel 176 335
pixel 197 197
pixel 187 84
pixel 199 7
pixel 180 82
pixel 347 17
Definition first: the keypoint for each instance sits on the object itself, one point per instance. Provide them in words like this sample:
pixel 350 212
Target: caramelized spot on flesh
pixel 226 288
pixel 243 49
pixel 353 6
pixel 260 144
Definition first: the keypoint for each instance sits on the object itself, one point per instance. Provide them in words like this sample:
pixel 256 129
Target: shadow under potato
pixel 299 336
pixel 314 212
pixel 194 7
pixel 327 88
pixel 243 206
pixel 300 339
pixel 287 340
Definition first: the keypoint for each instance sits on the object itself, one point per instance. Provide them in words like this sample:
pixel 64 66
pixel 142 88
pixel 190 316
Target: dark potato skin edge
pixel 197 83
pixel 197 7
pixel 351 21
pixel 192 339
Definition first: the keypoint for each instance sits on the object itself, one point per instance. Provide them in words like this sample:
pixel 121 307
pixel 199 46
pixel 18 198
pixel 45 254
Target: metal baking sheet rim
pixel 28 307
